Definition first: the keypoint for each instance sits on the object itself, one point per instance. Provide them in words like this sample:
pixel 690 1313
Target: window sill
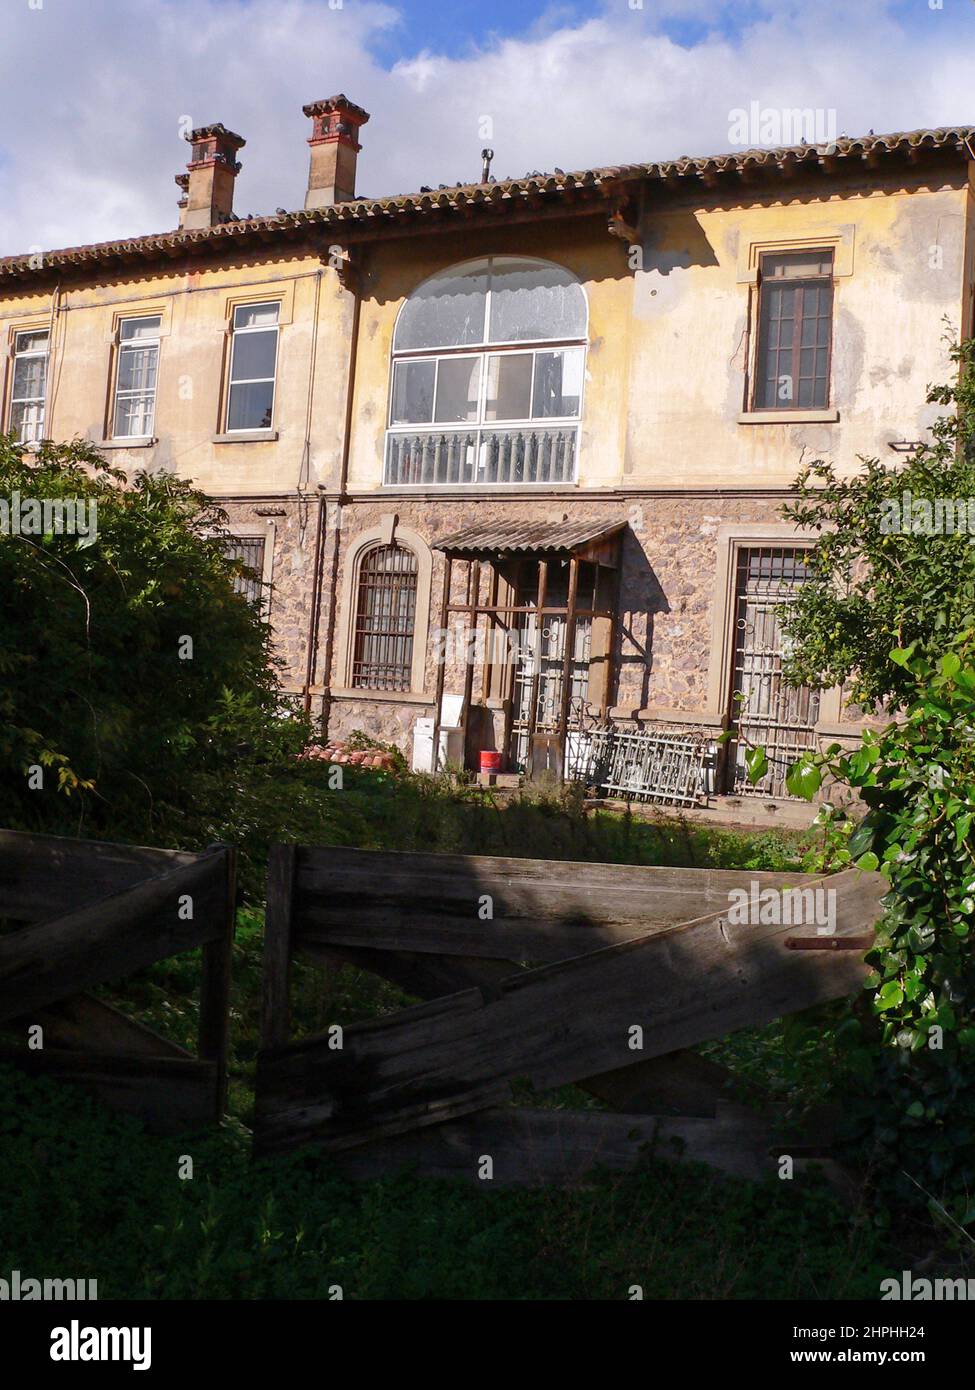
pixel 392 697
pixel 136 442
pixel 829 729
pixel 788 417
pixel 245 437
pixel 658 714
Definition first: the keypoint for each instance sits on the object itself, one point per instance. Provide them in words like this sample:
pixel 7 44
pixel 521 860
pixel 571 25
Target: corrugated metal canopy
pixel 526 538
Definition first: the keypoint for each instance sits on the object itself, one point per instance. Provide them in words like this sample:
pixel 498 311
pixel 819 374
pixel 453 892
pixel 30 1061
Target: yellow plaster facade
pixel 670 441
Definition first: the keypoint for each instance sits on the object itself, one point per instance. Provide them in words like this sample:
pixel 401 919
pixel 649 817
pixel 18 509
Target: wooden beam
pixel 531 1146
pixel 214 1025
pixel 84 1023
pixel 170 1095
pixel 42 876
pixel 681 1083
pixel 441 664
pixel 557 1024
pixel 567 656
pixel 537 664
pixel 470 646
pixel 112 937
pixel 278 925
pixel 542 910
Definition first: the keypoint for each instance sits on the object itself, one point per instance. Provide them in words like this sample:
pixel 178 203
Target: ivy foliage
pixel 911 1041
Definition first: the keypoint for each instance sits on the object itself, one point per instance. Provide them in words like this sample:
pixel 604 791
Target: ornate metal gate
pixel 545 650
pixel 764 710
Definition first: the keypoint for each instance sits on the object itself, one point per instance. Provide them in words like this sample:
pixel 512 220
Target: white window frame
pixel 135 345
pixel 485 350
pixel 480 422
pixel 29 400
pixel 236 332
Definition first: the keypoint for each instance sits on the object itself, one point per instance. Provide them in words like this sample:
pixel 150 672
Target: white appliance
pixel 451 740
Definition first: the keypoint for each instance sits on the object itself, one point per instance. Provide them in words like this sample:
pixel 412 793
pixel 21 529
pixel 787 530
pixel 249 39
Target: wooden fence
pixel 77 914
pixel 541 970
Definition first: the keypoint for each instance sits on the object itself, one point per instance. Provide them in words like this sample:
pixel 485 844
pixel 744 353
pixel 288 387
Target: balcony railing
pixel 444 458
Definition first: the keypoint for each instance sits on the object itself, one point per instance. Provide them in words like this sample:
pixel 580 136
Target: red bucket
pixel 490 761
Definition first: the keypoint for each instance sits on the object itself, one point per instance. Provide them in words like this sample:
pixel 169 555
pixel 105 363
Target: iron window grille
pixel 764 711
pixel 382 654
pixel 251 554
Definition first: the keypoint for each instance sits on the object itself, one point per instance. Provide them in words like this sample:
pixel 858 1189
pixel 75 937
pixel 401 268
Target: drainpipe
pixel 302 481
pixel 352 279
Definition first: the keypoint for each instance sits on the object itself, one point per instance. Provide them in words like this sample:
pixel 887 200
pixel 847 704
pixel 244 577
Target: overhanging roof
pixel 526 538
pixel 536 194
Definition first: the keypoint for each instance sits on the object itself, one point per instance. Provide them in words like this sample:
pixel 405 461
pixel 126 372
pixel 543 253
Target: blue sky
pixel 97 93
pixel 454 26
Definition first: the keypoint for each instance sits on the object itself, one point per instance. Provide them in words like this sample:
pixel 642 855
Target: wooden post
pixel 441 665
pixel 507 685
pixel 214 1029
pixel 537 671
pixel 487 672
pixel 276 996
pixel 567 655
pixel 473 598
pixel 614 662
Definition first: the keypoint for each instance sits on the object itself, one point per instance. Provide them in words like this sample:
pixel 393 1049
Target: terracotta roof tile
pixel 413 209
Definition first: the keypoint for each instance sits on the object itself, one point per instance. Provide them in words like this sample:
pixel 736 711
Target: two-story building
pixel 512 455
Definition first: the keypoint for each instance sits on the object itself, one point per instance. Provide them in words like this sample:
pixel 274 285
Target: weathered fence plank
pixel 92 1025
pixel 556 1024
pixel 171 1095
pixel 129 908
pixel 43 876
pixel 530 1146
pixel 540 910
pixel 278 929
pixel 112 937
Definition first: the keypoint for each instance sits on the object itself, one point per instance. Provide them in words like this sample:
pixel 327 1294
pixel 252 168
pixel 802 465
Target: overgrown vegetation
pixel 140 738
pixel 884 573
pixel 889 613
pixel 910 1054
pixel 137 695
pixel 97 1198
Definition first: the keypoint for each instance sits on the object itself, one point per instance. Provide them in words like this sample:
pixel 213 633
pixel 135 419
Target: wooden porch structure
pixel 505 563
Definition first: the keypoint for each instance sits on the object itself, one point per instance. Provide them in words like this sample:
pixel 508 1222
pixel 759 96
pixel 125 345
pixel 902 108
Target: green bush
pixel 100 687
pixel 910 1051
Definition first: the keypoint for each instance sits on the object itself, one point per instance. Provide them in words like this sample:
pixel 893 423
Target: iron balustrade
pixel 519 454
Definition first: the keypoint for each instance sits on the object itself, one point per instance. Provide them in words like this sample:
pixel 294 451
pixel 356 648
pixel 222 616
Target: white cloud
pixel 94 95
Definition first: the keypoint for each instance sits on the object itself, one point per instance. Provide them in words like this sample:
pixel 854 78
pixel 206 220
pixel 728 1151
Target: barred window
pixel 382 657
pixel 251 554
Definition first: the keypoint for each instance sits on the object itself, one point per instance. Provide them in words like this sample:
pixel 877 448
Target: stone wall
pixel 669 561
pixel 289 527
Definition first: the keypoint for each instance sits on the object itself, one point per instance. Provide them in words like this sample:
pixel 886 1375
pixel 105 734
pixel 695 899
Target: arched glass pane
pixel 448 311
pixel 532 303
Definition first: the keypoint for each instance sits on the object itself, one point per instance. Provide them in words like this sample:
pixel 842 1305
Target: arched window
pixel 385 613
pixel 487 376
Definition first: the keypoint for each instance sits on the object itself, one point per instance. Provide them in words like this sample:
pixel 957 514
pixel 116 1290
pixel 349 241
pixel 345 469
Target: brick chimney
pixel 208 186
pixel 334 150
